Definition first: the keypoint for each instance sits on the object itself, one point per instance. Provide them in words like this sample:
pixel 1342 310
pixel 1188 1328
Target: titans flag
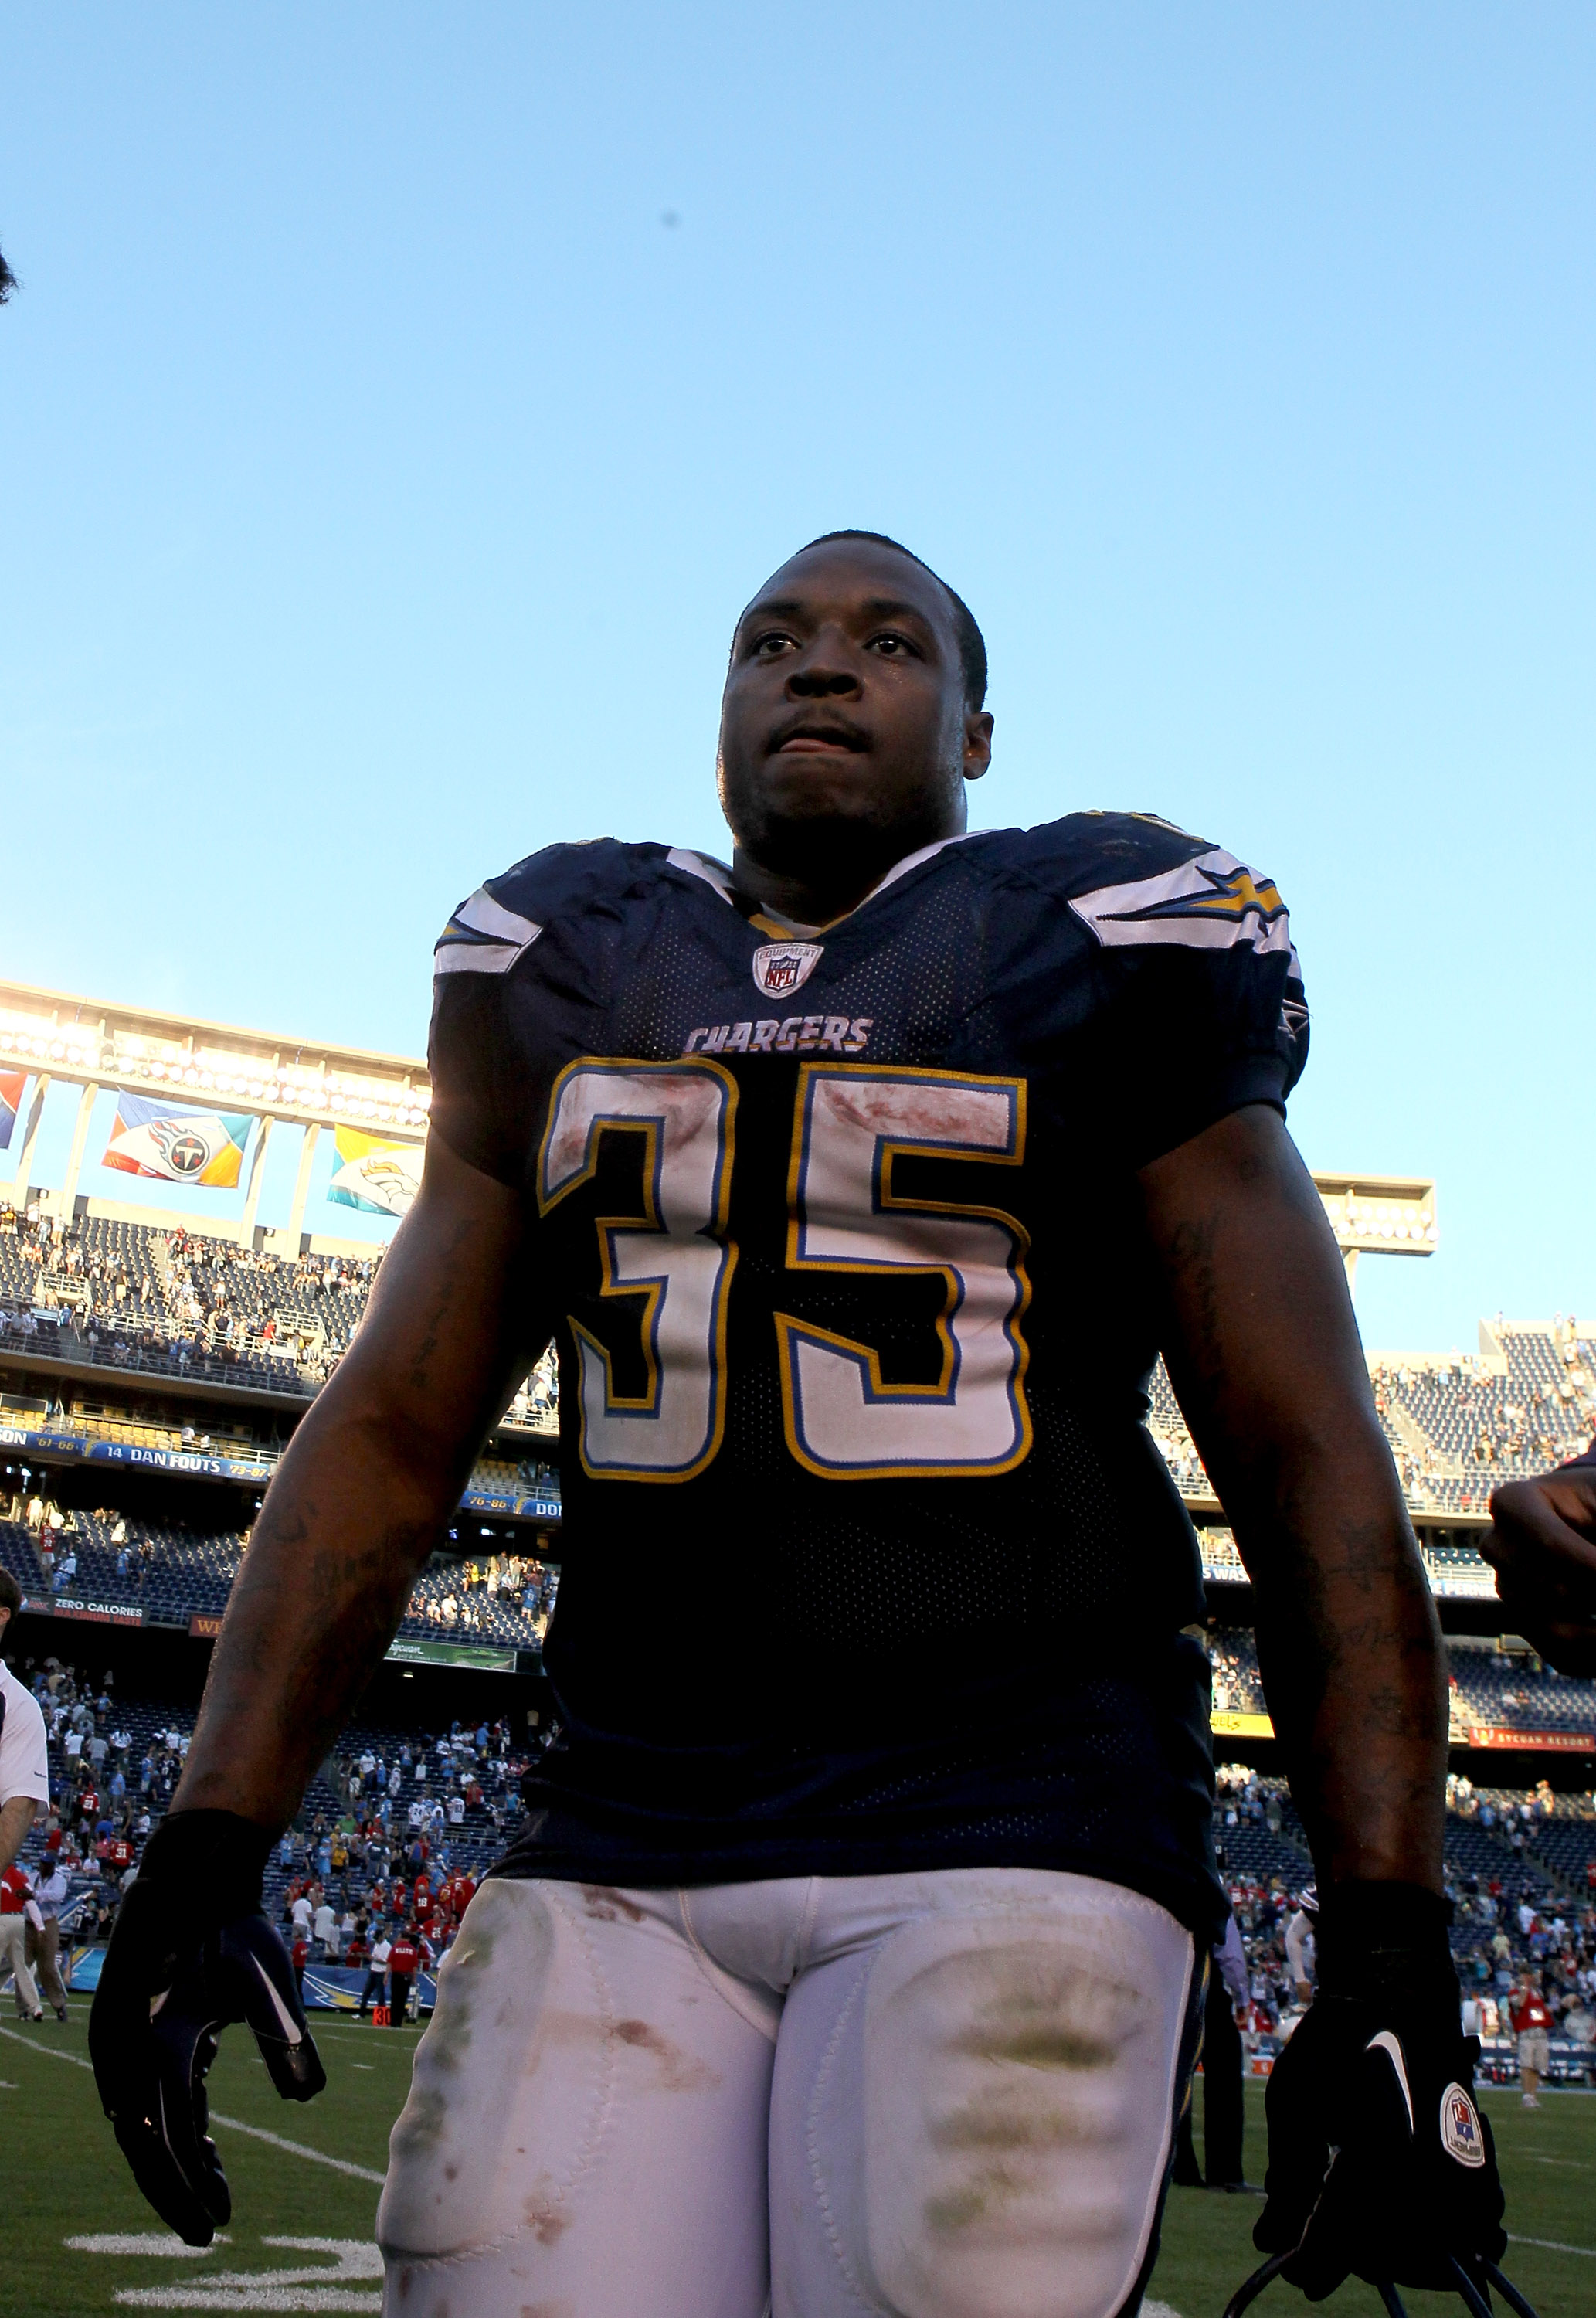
pixel 11 1083
pixel 378 1177
pixel 180 1146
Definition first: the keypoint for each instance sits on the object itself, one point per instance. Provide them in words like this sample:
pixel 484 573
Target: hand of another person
pixel 191 1953
pixel 1542 1545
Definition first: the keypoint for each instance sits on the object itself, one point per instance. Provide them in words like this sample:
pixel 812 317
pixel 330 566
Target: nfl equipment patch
pixel 1460 2127
pixel 782 967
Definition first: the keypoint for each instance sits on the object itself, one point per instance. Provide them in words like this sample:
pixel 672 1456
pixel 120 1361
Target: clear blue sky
pixel 382 475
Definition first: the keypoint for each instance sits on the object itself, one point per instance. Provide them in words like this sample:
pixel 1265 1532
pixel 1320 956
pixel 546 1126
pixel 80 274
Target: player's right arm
pixel 361 1496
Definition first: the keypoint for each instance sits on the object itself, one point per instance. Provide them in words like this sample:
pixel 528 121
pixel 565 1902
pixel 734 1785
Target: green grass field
pixel 77 2238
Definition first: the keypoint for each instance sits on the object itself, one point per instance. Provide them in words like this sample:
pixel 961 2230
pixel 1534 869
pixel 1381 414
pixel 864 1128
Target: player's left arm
pixel 1379 2161
pixel 1264 1355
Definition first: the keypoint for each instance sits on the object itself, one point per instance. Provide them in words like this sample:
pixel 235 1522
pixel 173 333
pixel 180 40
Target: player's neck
pixel 827 886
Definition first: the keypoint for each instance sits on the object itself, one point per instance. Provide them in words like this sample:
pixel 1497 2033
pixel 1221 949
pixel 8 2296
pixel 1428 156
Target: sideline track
pixel 231 2124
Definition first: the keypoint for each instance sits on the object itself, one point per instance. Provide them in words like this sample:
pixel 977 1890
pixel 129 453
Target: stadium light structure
pixel 90 1044
pixel 1378 1214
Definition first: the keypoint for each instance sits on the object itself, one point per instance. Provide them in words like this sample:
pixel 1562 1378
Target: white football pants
pixel 936 2095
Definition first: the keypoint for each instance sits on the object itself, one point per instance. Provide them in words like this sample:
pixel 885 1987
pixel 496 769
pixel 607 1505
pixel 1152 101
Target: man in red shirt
pixel 14 1936
pixel 402 1961
pixel 1531 2018
pixel 299 1956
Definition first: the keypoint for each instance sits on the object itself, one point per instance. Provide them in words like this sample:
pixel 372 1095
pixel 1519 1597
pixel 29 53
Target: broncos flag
pixel 378 1177
pixel 179 1147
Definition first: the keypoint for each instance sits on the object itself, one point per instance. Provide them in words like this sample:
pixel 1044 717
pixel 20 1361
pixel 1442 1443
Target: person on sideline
pixel 15 1900
pixel 376 1971
pixel 1532 2019
pixel 24 1786
pixel 50 1891
pixel 403 1962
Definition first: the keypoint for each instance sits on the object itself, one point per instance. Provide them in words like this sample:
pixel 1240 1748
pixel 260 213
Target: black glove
pixel 1380 2163
pixel 192 1952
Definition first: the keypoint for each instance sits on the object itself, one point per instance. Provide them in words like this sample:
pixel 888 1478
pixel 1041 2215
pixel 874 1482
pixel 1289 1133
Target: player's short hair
pixel 11 1593
pixel 971 642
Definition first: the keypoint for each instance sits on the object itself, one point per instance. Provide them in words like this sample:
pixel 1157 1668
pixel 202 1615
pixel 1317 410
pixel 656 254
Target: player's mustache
pixel 810 726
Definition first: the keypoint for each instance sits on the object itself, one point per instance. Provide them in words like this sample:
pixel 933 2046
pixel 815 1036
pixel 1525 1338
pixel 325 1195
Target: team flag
pixel 180 1146
pixel 378 1177
pixel 11 1083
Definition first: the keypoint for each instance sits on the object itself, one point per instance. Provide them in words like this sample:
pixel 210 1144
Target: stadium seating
pixel 156 1302
pixel 1457 1427
pixel 151 1301
pixel 172 1574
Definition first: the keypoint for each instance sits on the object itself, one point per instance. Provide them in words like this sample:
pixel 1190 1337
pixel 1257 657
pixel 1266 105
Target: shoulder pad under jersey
pixel 492 931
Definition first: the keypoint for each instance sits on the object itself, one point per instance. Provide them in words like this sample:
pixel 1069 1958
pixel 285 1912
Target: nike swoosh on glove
pixel 191 1952
pixel 1381 2164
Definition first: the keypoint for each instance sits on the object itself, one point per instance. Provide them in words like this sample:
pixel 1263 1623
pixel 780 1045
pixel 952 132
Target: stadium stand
pixel 1458 1426
pixel 172 1574
pixel 156 1302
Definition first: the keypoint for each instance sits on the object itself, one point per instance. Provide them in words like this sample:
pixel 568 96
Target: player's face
pixel 844 716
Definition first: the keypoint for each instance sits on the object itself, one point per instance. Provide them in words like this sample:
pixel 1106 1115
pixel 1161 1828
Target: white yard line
pixel 1552 2245
pixel 232 2124
pixel 160 2243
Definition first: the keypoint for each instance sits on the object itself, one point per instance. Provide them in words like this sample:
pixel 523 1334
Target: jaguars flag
pixel 11 1083
pixel 179 1147
pixel 378 1176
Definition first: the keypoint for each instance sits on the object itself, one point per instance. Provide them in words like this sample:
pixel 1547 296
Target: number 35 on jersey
pixel 673 1265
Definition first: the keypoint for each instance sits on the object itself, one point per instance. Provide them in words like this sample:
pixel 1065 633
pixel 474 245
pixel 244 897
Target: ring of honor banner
pixel 378 1177
pixel 11 1083
pixel 178 1146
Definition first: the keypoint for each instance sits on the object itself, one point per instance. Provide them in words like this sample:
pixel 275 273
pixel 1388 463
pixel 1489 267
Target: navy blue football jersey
pixel 869 1559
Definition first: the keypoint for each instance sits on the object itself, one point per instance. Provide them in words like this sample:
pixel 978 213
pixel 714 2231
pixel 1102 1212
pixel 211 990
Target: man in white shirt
pixel 326 1931
pixel 302 1917
pixel 24 1767
pixel 376 1971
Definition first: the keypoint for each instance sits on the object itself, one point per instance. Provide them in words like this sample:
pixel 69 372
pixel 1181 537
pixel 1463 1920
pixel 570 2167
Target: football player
pixel 853 1958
